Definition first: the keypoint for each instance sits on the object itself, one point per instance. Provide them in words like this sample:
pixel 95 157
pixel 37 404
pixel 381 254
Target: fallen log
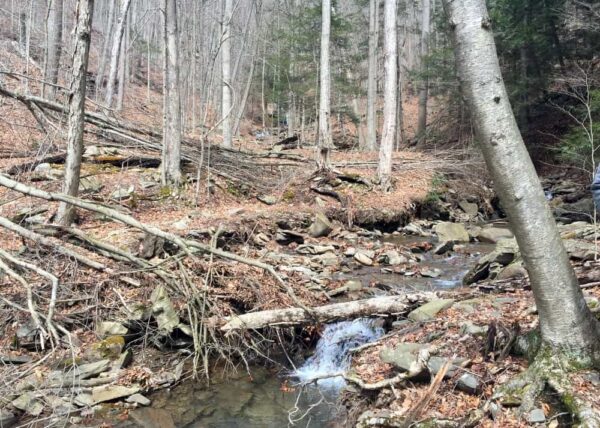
pixel 388 305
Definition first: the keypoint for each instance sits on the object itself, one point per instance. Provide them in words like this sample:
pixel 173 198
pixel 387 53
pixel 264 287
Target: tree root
pixel 549 369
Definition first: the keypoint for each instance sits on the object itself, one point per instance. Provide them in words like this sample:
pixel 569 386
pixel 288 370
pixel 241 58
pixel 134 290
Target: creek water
pixel 275 399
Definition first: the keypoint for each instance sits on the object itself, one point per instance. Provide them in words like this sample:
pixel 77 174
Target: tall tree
pixel 568 329
pixel 77 87
pixel 226 104
pixel 54 31
pixel 325 142
pixel 424 81
pixel 116 51
pixel 372 75
pixel 388 137
pixel 171 155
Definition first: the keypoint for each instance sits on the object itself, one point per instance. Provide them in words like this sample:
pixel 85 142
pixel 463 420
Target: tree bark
pixel 75 119
pixel 388 136
pixel 54 29
pixel 566 323
pixel 424 81
pixel 115 52
pixel 171 168
pixel 226 104
pixel 325 142
pixel 372 75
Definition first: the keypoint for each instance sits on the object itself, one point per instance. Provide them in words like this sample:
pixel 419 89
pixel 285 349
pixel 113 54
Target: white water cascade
pixel 332 354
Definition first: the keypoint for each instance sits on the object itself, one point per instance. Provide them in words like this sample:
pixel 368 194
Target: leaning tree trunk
pixel 567 326
pixel 75 119
pixel 171 168
pixel 371 143
pixel 424 80
pixel 54 30
pixel 388 136
pixel 115 52
pixel 325 142
pixel 226 104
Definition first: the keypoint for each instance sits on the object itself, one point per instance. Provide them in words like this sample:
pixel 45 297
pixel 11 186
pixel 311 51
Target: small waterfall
pixel 332 354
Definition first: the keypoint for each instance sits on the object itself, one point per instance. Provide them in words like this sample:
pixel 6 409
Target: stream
pixel 271 398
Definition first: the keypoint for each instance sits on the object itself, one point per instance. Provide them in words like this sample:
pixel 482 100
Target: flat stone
pixel 90 185
pixel 492 235
pixel 139 399
pixel 429 310
pixel 153 418
pixel 454 232
pixel 431 272
pixel 536 416
pixel 469 383
pixel 435 364
pixel 111 328
pixel 101 394
pixel 363 259
pixel 314 249
pixel 469 328
pixel 403 356
pixel 267 199
pixel 469 208
pixel 163 310
pixel 121 193
pixel 29 404
pixel 86 371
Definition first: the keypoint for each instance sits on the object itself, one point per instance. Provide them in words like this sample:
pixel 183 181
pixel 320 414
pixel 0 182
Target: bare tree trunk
pixel 226 104
pixel 171 168
pixel 106 48
pixel 325 142
pixel 115 51
pixel 424 81
pixel 372 76
pixel 390 44
pixel 566 323
pixel 54 28
pixel 75 119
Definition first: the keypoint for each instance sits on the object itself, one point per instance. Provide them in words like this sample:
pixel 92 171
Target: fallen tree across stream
pixel 388 305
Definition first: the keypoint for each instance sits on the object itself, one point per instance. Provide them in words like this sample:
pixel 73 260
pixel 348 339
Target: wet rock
pixel 443 248
pixel 314 249
pixel 101 394
pixel 122 193
pixel 163 310
pixel 506 251
pixel 403 356
pixel 29 404
pixel 430 310
pixel 470 208
pixel 111 328
pixel 428 272
pixel 469 383
pixel 363 259
pixel 139 399
pixel 7 419
pixel 536 416
pixel 454 232
pixel 492 235
pixel 321 226
pixel 152 418
pixel 267 199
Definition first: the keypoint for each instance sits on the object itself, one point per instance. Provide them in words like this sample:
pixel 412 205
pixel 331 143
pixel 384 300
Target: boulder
pixel 90 185
pixel 7 419
pixel 469 208
pixel 363 259
pixel 111 328
pixel 443 248
pixel 429 310
pixel 403 356
pixel 492 235
pixel 513 271
pixel 505 252
pixel 469 383
pixel 415 229
pixel 582 210
pixel 122 193
pixel 454 232
pixel 29 404
pixel 579 249
pixel 321 226
pixel 163 310
pixel 536 416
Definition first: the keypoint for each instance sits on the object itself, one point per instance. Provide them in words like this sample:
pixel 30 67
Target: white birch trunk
pixel 54 29
pixel 566 323
pixel 325 142
pixel 171 169
pixel 226 104
pixel 371 143
pixel 75 119
pixel 388 136
pixel 115 51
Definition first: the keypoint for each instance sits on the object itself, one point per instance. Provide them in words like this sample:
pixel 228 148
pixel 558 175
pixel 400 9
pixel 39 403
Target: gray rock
pixel 7 419
pixel 506 251
pixel 350 252
pixel 429 272
pixel 443 248
pixel 579 249
pixel 90 185
pixel 149 417
pixel 321 226
pixel 261 239
pixel 91 151
pixel 469 208
pixel 513 271
pixel 101 394
pixel 267 199
pixel 415 229
pixel 393 258
pixel 454 232
pixel 111 328
pixel 469 383
pixel 314 249
pixel 403 356
pixel 139 399
pixel 328 259
pixel 435 364
pixel 363 259
pixel 469 328
pixel 43 168
pixel 121 193
pixel 86 371
pixel 492 235
pixel 430 310
pixel 29 404
pixel 536 416
pixel 163 310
